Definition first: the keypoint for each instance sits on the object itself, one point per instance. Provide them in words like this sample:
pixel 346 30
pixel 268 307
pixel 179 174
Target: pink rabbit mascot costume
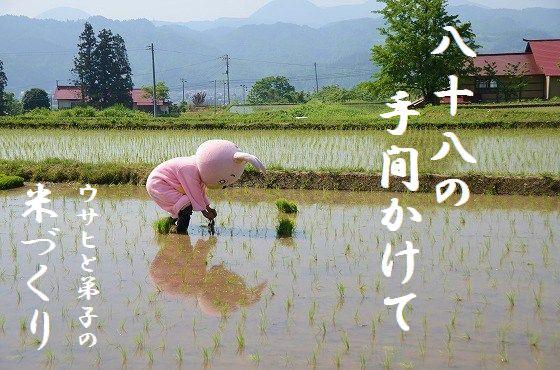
pixel 178 185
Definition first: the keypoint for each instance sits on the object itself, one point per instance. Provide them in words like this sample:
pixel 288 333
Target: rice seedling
pixel 124 356
pixel 164 225
pixel 538 298
pixel 341 289
pixel 311 313
pixel 255 357
pixel 205 356
pixel 337 361
pixel 139 342
pixel 286 206
pixel 345 341
pixel 50 357
pixel 312 361
pixel 240 338
pixel 363 360
pixel 23 324
pixel 533 338
pixel 179 354
pixel 285 228
pixel 150 357
pixel 511 299
pixel 289 305
pixel 388 358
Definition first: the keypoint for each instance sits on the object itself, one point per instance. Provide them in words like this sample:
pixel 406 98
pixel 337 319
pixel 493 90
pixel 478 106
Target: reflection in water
pixel 181 269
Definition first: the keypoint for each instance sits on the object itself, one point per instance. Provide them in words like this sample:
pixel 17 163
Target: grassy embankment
pixel 312 115
pixel 56 170
pixel 10 182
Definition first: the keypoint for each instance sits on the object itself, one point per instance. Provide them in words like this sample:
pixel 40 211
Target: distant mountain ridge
pixel 305 13
pixel 64 14
pixel 300 12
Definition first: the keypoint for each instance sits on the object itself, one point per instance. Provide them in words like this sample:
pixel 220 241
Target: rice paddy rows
pixel 499 152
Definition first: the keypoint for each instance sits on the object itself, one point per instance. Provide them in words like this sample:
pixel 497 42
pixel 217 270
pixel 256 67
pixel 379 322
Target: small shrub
pixel 85 112
pixel 163 225
pixel 10 182
pixel 285 228
pixel 287 207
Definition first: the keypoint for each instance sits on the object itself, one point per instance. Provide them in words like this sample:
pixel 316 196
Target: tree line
pixel 101 69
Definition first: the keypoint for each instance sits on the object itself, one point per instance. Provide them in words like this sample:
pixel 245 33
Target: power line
pixel 187 52
pixel 177 68
pixel 51 52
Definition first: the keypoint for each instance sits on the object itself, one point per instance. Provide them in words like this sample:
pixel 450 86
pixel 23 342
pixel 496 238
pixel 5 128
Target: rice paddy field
pixel 498 151
pixel 486 277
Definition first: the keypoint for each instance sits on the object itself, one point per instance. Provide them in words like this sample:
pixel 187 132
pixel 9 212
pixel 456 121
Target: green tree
pixel 84 63
pixel 490 73
pixel 35 98
pixel 274 89
pixel 514 81
pixel 333 93
pixel 199 98
pixel 113 80
pixel 3 83
pixel 162 91
pixel 12 105
pixel 366 91
pixel 413 29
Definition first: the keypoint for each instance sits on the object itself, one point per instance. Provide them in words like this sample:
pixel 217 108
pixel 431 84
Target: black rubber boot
pixel 184 220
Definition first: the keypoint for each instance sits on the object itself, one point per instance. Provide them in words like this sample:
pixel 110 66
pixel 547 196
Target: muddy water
pixel 167 301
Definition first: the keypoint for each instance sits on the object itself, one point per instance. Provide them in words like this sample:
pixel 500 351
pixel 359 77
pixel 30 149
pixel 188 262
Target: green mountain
pixel 37 52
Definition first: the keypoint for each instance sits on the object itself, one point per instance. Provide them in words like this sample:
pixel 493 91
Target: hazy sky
pixel 185 10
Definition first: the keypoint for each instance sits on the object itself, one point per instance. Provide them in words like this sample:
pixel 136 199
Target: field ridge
pixel 58 170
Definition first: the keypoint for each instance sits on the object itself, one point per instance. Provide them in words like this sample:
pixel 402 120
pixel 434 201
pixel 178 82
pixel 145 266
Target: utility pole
pixel 215 94
pixel 316 79
pixel 244 90
pixel 183 81
pixel 224 95
pixel 226 58
pixel 151 47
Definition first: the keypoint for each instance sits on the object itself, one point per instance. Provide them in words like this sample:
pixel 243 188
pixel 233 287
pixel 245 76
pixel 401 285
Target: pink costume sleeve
pixel 190 180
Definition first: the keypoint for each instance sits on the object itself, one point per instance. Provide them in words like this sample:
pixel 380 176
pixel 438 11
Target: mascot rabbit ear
pixel 241 157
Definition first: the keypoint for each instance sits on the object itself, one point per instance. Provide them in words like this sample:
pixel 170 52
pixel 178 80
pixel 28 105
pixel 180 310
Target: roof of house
pixel 68 93
pixel 546 54
pixel 139 97
pixel 541 57
pixel 74 93
pixel 502 61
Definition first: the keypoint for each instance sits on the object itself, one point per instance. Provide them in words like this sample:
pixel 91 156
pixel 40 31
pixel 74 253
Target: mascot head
pixel 221 163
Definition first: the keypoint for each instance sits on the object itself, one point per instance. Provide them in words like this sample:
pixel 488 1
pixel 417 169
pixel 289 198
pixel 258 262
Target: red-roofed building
pixel 145 103
pixel 67 96
pixel 539 63
pixel 70 96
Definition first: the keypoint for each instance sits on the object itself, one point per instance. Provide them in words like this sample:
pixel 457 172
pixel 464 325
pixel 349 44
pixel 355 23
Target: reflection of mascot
pixel 178 185
pixel 180 269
